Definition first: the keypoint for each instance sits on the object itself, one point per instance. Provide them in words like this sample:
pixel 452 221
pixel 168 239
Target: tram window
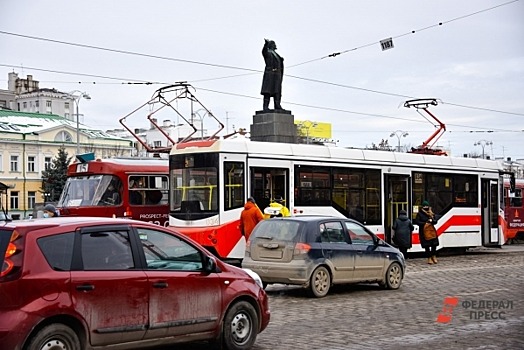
pixel 516 201
pixel 148 190
pixel 355 192
pixel 465 191
pixel 444 191
pixel 373 203
pixel 112 194
pixel 314 186
pixel 234 184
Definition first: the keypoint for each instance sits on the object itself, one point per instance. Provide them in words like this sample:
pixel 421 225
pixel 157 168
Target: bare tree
pixel 383 145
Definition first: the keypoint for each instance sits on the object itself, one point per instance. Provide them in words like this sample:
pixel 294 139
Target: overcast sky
pixel 473 63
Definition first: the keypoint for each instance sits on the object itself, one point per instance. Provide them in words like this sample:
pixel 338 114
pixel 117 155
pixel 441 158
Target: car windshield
pixel 285 230
pixel 85 190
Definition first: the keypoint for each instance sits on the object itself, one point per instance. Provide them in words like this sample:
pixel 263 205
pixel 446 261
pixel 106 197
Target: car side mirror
pixel 210 264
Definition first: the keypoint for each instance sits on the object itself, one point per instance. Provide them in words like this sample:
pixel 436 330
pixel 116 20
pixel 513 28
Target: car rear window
pixel 285 230
pixel 58 250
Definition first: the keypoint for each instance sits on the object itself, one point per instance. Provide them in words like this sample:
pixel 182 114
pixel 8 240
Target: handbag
pixel 429 232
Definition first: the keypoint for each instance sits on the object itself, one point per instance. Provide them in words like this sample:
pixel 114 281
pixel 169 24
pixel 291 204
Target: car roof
pixel 313 218
pixel 69 220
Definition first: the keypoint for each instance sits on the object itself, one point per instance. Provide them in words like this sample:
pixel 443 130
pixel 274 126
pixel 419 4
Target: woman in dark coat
pixel 403 229
pixel 426 221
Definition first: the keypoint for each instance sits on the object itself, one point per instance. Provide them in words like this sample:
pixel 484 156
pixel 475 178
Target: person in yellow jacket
pixel 276 208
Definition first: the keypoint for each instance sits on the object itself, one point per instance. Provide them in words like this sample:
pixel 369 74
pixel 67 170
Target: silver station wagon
pixel 318 251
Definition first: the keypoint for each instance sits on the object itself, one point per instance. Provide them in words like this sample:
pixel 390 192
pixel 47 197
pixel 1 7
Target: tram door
pixel 397 192
pixel 268 183
pixel 489 212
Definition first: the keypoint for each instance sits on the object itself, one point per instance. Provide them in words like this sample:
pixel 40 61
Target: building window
pixel 63 136
pixel 157 143
pixel 47 163
pixel 24 105
pixel 1 163
pixel 48 105
pixel 14 163
pixel 66 106
pixel 31 199
pixel 14 199
pixel 31 163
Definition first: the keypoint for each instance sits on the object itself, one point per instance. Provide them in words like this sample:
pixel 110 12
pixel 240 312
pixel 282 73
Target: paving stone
pixel 368 317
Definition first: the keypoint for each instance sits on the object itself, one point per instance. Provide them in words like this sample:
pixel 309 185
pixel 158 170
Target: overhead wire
pixel 253 71
pixel 479 129
pixel 335 54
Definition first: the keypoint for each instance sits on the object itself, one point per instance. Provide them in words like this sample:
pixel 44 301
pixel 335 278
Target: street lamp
pixel 77 95
pixel 483 144
pixel 201 117
pixel 398 134
pixel 308 125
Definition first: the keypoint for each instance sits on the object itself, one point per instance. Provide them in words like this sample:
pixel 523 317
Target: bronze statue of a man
pixel 273 74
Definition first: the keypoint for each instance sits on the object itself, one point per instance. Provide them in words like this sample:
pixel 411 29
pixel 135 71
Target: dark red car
pixel 88 283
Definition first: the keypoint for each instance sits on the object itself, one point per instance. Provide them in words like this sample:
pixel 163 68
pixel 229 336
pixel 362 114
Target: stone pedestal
pixel 274 126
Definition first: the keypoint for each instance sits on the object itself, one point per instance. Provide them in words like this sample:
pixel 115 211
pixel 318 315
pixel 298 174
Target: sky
pixel 468 55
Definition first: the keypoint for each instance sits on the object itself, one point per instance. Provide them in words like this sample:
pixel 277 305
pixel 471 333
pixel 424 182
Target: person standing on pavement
pixel 426 221
pixel 249 218
pixel 403 228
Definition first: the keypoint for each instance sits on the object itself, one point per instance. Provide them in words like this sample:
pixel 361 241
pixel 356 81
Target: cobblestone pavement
pixel 487 286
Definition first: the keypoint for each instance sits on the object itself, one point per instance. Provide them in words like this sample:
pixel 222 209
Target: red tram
pixel 514 210
pixel 118 187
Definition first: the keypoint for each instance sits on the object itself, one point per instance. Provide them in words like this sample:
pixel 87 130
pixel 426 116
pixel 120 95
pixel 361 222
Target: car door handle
pixel 161 285
pixel 85 287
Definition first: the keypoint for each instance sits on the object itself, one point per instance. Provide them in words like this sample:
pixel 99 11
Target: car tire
pixel 320 282
pixel 55 336
pixel 393 278
pixel 240 327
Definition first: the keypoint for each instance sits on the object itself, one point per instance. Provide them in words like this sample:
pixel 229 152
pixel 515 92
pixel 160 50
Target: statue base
pixel 278 111
pixel 274 126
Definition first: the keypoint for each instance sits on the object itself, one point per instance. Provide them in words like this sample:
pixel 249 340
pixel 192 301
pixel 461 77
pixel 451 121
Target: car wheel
pixel 55 336
pixel 240 326
pixel 320 282
pixel 394 276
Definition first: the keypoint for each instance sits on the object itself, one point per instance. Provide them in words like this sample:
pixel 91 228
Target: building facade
pixel 25 95
pixel 28 144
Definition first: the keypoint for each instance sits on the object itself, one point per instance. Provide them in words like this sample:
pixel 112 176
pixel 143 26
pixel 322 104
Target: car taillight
pixel 12 255
pixel 248 247
pixel 301 248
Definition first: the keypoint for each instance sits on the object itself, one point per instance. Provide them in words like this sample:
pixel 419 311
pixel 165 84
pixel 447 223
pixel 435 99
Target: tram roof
pixel 332 153
pixel 159 162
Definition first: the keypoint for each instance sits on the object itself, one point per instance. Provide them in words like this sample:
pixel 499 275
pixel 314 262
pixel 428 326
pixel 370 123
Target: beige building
pixel 28 144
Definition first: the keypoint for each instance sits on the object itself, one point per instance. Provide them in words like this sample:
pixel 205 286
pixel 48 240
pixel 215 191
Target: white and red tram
pixel 211 180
